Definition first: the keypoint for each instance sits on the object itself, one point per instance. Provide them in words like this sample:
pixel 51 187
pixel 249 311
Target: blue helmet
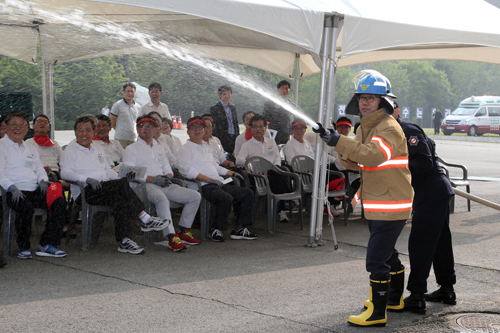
pixel 372 82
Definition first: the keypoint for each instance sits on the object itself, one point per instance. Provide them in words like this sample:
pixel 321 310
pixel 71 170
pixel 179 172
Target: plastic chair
pixel 9 218
pixel 258 168
pixel 456 182
pixel 304 166
pixel 88 212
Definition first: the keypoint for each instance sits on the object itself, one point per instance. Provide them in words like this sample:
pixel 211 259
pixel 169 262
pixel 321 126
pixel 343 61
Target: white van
pixel 474 116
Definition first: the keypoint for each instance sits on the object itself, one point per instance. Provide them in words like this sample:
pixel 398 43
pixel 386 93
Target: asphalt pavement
pixel 272 284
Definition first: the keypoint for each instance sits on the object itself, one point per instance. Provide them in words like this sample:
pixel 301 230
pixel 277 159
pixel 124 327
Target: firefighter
pixel 430 236
pixel 380 154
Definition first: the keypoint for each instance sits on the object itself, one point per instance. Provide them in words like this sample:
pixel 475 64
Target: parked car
pixel 474 116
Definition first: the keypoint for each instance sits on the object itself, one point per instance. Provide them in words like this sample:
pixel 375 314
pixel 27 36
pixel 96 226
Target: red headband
pixel 196 121
pixel 147 119
pixel 298 123
pixel 344 122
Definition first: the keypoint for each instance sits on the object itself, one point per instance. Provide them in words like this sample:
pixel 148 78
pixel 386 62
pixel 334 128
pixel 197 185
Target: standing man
pixel 226 119
pixel 160 190
pixel 123 116
pixel 438 118
pixel 430 236
pixel 197 162
pixel 379 152
pixel 105 111
pixel 23 176
pixel 279 118
pixel 155 105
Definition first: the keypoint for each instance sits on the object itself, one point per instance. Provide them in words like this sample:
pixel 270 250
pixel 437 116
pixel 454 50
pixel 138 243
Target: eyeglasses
pixel 368 98
pixel 17 125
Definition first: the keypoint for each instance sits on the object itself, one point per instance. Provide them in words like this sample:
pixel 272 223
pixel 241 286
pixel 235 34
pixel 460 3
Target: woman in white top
pixel 173 142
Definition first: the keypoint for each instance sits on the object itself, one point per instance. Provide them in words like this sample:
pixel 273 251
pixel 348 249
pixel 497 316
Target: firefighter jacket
pixel 380 154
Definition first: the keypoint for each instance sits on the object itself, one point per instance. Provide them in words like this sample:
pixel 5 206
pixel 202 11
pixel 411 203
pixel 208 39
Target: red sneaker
pixel 187 238
pixel 175 244
pixel 334 212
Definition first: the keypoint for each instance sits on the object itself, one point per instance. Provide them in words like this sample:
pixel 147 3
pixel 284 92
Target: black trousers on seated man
pixel 126 204
pixel 25 208
pixel 223 197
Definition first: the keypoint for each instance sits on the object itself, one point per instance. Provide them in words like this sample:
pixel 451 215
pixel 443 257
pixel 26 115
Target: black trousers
pixel 126 204
pixel 437 127
pixel 223 197
pixel 24 215
pixel 381 254
pixel 430 244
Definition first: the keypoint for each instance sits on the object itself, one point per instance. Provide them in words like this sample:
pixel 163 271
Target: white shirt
pixel 217 150
pixel 294 148
pixel 240 140
pixel 162 109
pixel 195 159
pixel 126 116
pixel 174 143
pixel 172 159
pixel 267 149
pixel 20 165
pixel 79 163
pixel 114 150
pixel 49 155
pixel 153 158
pixel 105 111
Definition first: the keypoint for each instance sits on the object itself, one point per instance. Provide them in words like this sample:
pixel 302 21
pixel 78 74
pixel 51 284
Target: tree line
pixel 86 86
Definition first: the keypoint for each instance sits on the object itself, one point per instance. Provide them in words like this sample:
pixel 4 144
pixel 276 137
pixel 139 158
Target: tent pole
pixel 297 76
pixel 330 99
pixel 51 100
pixel 317 199
pixel 44 87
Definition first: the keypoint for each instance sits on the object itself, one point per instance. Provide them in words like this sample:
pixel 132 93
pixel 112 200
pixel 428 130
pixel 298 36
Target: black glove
pixel 331 137
pixel 44 186
pixel 216 182
pixel 161 180
pixel 130 176
pixel 96 185
pixel 16 193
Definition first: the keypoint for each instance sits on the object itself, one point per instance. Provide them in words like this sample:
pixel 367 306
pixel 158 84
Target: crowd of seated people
pixel 32 168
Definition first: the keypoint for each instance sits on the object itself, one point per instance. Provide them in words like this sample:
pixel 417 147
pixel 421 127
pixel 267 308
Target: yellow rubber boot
pixel 395 302
pixel 376 306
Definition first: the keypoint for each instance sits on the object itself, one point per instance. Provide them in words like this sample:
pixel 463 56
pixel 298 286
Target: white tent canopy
pixel 261 33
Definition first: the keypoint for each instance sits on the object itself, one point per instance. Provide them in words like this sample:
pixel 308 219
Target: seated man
pixel 173 141
pixel 161 139
pixel 86 162
pixel 259 145
pixel 160 190
pixel 297 145
pixel 247 135
pixel 215 145
pixel 48 149
pixel 196 162
pixel 23 176
pixel 112 148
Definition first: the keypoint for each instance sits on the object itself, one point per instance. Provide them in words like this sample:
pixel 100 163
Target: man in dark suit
pixel 226 120
pixel 279 118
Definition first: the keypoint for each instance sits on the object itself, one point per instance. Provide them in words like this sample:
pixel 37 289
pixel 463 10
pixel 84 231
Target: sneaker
pixel 282 217
pixel 25 254
pixel 243 233
pixel 155 224
pixel 187 238
pixel 130 247
pixel 332 210
pixel 49 251
pixel 217 235
pixel 175 244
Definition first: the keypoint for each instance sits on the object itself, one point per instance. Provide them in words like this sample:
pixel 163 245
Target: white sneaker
pixel 155 224
pixel 130 247
pixel 282 217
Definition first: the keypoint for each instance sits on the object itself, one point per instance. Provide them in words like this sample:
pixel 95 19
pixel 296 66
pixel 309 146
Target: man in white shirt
pixel 261 146
pixel 23 176
pixel 160 190
pixel 86 162
pixel 113 149
pixel 196 162
pixel 105 110
pixel 155 92
pixel 49 150
pixel 215 145
pixel 123 116
pixel 297 145
pixel 247 135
